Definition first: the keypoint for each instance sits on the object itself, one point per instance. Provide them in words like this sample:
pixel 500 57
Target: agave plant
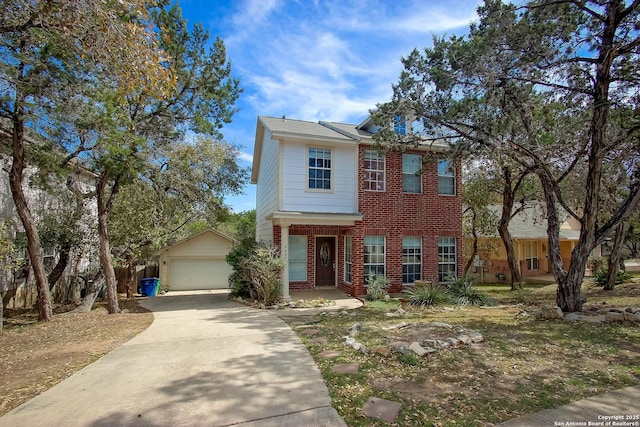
pixel 463 292
pixel 428 295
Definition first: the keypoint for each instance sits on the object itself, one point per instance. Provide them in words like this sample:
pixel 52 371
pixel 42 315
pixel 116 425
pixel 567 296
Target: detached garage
pixel 196 263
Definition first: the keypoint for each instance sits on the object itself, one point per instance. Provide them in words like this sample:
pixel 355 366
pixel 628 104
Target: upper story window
pixel 320 168
pixel 399 125
pixel 374 171
pixel 411 177
pixel 446 177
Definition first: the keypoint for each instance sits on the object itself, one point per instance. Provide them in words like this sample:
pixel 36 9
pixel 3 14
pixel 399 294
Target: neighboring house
pixel 339 210
pixel 528 230
pixel 41 201
pixel 197 262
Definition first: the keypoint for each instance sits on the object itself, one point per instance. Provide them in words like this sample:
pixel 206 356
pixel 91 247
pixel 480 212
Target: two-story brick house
pixel 340 210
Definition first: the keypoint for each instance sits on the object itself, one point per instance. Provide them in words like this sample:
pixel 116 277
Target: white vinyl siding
pixel 411 259
pixel 296 197
pixel 297 258
pixel 267 190
pixel 411 177
pixel 374 256
pixel 446 258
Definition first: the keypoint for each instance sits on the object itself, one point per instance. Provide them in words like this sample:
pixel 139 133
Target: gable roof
pixel 197 235
pixel 322 131
pixel 531 222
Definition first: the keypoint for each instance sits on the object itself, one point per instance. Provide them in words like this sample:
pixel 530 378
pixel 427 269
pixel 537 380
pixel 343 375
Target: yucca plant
pixel 463 292
pixel 428 295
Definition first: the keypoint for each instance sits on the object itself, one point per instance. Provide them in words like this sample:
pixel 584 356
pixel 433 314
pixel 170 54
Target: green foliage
pixel 239 280
pixel 257 273
pixel 376 287
pixel 600 277
pixel 463 292
pixel 428 295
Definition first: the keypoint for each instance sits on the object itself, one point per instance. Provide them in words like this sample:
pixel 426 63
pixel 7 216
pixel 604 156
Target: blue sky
pixel 318 60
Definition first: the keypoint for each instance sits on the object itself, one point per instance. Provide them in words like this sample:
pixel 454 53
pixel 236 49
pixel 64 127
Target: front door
pixel 325 261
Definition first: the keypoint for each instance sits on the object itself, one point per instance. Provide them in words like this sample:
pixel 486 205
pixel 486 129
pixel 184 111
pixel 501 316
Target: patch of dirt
pixel 36 356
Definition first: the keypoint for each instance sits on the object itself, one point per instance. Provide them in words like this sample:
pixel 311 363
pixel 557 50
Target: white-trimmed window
pixel 411 259
pixel 374 256
pixel 319 168
pixel 411 176
pixel 446 178
pixel 297 258
pixel 531 254
pixel 399 125
pixel 446 258
pixel 348 258
pixel 374 170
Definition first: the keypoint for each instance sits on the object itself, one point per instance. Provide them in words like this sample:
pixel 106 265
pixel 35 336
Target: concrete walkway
pixel 205 361
pixel 615 408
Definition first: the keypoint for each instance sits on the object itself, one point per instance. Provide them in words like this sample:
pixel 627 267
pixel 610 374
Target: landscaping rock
pixel 401 348
pixel 637 314
pixel 465 339
pixel 309 331
pixel 385 410
pixel 318 341
pixel 329 354
pixel 396 326
pixel 572 317
pixel 476 337
pixel 417 349
pixel 440 325
pixel 592 319
pixel 550 313
pixel 614 316
pixel 382 351
pixel 345 368
pixel 630 317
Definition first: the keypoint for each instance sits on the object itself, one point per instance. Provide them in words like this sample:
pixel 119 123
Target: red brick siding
pixel 395 214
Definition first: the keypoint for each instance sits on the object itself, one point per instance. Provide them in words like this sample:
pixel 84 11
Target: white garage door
pixel 193 274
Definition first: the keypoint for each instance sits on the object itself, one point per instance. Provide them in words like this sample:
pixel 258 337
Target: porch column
pixel 284 255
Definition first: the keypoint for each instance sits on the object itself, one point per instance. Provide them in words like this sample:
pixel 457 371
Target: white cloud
pixel 245 157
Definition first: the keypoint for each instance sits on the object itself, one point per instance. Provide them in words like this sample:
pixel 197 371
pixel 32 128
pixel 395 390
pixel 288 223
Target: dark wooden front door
pixel 325 261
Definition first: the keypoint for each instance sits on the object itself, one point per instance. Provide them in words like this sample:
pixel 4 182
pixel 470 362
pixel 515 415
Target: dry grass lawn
pixel 36 356
pixel 525 365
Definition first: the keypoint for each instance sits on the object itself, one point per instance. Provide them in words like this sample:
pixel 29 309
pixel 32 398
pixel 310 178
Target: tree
pixel 46 47
pixel 542 84
pixel 145 134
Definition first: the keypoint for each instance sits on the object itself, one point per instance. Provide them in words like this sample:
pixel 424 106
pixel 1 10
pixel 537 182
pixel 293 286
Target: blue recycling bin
pixel 149 286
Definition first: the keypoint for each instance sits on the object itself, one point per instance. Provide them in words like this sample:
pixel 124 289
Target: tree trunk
pixel 614 258
pixel 105 248
pixel 474 248
pixel 508 197
pixel 61 265
pixel 92 289
pixel 33 239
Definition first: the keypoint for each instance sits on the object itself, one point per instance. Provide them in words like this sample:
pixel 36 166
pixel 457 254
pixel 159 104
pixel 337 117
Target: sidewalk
pixel 615 408
pixel 204 361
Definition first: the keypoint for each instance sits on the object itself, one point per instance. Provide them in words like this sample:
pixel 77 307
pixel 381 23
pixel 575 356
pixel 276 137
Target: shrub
pixel 463 292
pixel 256 273
pixel 428 295
pixel 377 287
pixel 600 277
pixel 239 280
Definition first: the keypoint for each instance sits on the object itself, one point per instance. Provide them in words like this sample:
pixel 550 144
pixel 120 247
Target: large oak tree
pixel 552 84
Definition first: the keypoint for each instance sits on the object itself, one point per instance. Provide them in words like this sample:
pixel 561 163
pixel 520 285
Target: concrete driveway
pixel 205 361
